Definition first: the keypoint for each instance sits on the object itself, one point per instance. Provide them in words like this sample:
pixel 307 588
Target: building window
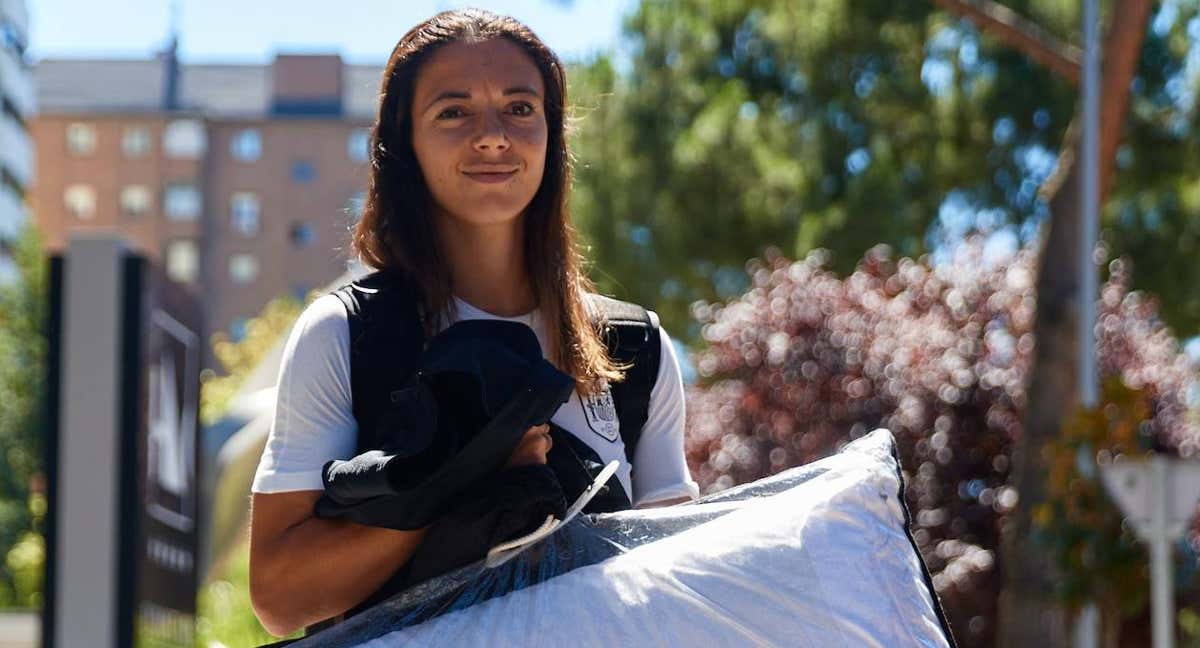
pixel 184 139
pixel 135 200
pixel 303 172
pixel 183 261
pixel 237 329
pixel 302 234
pixel 246 145
pixel 182 202
pixel 80 201
pixel 135 141
pixel 81 138
pixel 358 145
pixel 243 268
pixel 243 213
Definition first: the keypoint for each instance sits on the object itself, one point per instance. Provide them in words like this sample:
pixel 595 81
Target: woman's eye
pixel 451 113
pixel 522 109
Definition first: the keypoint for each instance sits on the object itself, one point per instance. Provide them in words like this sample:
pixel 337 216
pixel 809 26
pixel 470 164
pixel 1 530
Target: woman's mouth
pixel 490 175
pixel 491 178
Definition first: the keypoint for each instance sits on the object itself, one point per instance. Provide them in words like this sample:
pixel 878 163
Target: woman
pixel 467 200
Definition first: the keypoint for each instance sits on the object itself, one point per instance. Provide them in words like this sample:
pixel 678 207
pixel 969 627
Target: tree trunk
pixel 1029 614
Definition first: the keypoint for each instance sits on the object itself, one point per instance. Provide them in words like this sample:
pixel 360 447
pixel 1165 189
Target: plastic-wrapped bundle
pixel 819 555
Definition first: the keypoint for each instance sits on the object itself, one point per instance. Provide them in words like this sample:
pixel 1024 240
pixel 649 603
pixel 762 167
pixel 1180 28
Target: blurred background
pixel 849 214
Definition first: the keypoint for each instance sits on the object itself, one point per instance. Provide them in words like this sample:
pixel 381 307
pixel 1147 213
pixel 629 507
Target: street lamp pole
pixel 1162 586
pixel 1090 216
pixel 1086 627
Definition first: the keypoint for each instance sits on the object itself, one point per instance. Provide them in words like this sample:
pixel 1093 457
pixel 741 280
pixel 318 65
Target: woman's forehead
pixel 497 64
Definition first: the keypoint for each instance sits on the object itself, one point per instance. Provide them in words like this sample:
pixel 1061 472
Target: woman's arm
pixel 305 569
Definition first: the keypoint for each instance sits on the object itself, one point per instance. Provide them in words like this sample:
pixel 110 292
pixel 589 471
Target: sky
pixel 362 31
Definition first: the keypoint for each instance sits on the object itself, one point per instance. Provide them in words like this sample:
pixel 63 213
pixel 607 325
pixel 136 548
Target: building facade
pixel 17 105
pixel 243 181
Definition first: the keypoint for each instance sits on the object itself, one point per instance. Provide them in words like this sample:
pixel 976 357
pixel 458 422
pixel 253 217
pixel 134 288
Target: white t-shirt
pixel 314 420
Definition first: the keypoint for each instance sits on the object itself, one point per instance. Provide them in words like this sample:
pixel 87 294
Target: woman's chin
pixel 487 214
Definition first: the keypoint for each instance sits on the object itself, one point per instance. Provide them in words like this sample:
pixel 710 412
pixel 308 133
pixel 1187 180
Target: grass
pixel 224 616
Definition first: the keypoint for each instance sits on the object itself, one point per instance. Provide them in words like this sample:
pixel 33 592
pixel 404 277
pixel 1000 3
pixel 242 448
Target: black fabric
pixel 505 506
pixel 577 466
pixel 481 384
pixel 499 508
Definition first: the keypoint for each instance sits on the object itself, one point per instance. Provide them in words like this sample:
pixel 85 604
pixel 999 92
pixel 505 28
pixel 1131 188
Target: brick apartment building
pixel 241 180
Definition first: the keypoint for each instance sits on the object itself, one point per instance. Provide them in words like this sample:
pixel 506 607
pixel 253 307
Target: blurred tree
pixel 940 355
pixel 817 124
pixel 22 395
pixel 239 358
pixel 1030 578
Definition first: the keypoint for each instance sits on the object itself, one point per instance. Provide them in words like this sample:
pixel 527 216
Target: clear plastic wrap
pixel 819 555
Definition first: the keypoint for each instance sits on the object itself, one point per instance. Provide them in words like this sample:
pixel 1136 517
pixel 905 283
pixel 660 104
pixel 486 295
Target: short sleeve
pixel 660 471
pixel 314 419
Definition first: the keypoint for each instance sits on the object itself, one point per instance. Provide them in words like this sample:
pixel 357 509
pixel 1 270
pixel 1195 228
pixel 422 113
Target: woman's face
pixel 479 130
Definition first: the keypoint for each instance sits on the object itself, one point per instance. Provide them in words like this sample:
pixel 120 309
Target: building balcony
pixel 16 150
pixel 12 214
pixel 16 83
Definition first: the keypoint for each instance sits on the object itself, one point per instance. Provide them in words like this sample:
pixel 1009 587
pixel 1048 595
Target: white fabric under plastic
pixel 816 556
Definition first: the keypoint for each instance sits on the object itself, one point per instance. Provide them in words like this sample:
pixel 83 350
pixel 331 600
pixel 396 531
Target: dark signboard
pixel 165 497
pixel 121 568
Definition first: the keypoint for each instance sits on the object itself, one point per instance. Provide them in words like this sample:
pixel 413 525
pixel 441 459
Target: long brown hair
pixel 396 232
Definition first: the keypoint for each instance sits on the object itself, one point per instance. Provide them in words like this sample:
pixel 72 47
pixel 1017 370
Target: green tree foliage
pixel 22 393
pixel 239 358
pixel 816 124
pixel 1153 216
pixel 721 128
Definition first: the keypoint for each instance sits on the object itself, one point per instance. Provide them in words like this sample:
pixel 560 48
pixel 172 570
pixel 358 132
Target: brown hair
pixel 396 232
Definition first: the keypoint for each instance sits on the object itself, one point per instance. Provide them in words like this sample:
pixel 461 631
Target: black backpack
pixel 387 336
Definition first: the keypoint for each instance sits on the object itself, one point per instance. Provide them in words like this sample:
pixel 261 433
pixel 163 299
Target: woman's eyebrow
pixel 463 94
pixel 448 94
pixel 522 90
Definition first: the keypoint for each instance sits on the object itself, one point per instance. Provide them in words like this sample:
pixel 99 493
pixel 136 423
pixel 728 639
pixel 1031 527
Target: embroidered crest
pixel 601 414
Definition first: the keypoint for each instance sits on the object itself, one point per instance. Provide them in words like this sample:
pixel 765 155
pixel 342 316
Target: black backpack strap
pixel 631 334
pixel 386 338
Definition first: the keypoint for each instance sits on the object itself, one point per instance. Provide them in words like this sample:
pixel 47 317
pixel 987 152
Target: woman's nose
pixel 491 135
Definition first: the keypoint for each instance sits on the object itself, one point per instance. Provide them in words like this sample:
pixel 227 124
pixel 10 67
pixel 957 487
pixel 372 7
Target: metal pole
pixel 1162 607
pixel 1086 629
pixel 1090 216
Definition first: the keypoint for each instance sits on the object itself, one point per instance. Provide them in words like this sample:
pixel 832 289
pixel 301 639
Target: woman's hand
pixel 532 448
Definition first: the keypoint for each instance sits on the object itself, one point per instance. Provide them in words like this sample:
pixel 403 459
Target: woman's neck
pixel 487 263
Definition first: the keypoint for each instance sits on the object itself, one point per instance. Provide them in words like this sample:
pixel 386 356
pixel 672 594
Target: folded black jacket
pixel 480 385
